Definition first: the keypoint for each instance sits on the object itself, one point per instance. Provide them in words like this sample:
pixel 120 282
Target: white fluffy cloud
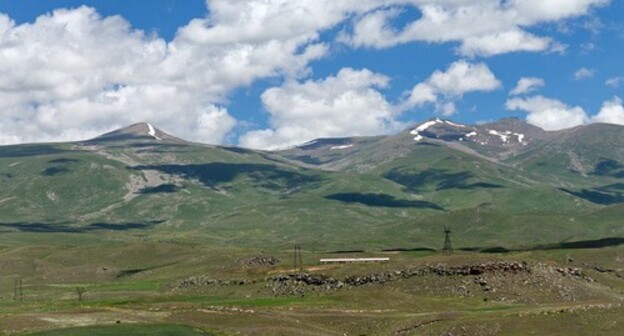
pixel 73 74
pixel 505 42
pixel 527 85
pixel 614 82
pixel 442 87
pixel 549 114
pixel 612 112
pixel 484 27
pixel 346 104
pixel 583 73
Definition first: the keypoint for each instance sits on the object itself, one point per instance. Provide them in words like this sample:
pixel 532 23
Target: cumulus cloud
pixel 552 114
pixel 614 82
pixel 549 114
pixel 505 42
pixel 612 112
pixel 346 104
pixel 442 87
pixel 584 73
pixel 73 74
pixel 527 85
pixel 483 28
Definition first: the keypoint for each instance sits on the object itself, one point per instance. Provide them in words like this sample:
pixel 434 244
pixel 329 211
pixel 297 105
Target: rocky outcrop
pixel 205 280
pixel 480 274
pixel 258 261
pixel 296 284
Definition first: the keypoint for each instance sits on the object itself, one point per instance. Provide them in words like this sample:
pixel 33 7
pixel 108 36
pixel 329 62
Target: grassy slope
pixel 227 195
pixel 234 203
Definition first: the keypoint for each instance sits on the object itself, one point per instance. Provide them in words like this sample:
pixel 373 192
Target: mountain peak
pixel 423 130
pixel 512 122
pixel 138 131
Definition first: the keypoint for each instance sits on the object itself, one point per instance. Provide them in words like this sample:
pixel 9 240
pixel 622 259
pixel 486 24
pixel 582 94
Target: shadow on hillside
pixel 413 249
pixel 609 167
pixel 63 160
pixel 29 150
pixel 584 244
pixel 161 189
pixel 53 171
pixel 272 158
pixel 381 200
pixel 345 252
pixel 216 174
pixel 441 179
pixel 309 159
pixel 237 150
pixel 41 227
pixel 605 195
pixel 429 144
pixel 581 244
pixel 123 226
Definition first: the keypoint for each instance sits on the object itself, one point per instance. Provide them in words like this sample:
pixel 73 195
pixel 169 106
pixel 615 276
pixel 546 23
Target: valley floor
pixel 166 288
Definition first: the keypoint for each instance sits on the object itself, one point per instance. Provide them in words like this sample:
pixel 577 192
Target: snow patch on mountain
pixel 342 147
pixel 504 136
pixel 507 135
pixel 152 132
pixel 423 128
pixel 453 124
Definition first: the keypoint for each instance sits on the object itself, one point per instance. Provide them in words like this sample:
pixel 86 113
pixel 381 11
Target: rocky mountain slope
pixel 500 184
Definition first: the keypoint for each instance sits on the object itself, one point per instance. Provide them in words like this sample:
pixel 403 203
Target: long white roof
pixel 354 259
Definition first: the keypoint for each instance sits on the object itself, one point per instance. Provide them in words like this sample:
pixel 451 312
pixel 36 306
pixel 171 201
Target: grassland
pixel 138 284
pixel 132 221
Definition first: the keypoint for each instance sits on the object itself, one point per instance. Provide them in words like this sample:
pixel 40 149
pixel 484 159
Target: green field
pixel 143 330
pixel 180 238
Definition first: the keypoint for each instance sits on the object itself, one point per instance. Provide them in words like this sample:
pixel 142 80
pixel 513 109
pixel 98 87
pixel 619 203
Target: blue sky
pixel 250 72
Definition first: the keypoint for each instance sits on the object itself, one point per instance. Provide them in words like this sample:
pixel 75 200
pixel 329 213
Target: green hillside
pixel 165 236
pixel 384 193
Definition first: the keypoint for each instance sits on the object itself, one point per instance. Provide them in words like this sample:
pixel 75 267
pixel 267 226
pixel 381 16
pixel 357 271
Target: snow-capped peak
pixel 152 131
pixel 423 127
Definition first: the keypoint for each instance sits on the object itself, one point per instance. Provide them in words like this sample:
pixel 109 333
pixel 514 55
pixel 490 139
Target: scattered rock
pixel 258 261
pixel 297 284
pixel 205 280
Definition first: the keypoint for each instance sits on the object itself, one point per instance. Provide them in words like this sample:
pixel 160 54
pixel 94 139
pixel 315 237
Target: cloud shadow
pixel 381 200
pixel 441 179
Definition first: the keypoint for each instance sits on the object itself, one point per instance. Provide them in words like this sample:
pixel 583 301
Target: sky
pixel 270 74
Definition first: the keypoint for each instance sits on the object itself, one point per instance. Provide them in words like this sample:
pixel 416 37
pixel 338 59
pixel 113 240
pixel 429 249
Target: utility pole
pixel 18 291
pixel 448 249
pixel 298 263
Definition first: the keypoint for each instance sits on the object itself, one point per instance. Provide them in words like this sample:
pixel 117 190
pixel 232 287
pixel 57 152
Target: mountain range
pixel 503 184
